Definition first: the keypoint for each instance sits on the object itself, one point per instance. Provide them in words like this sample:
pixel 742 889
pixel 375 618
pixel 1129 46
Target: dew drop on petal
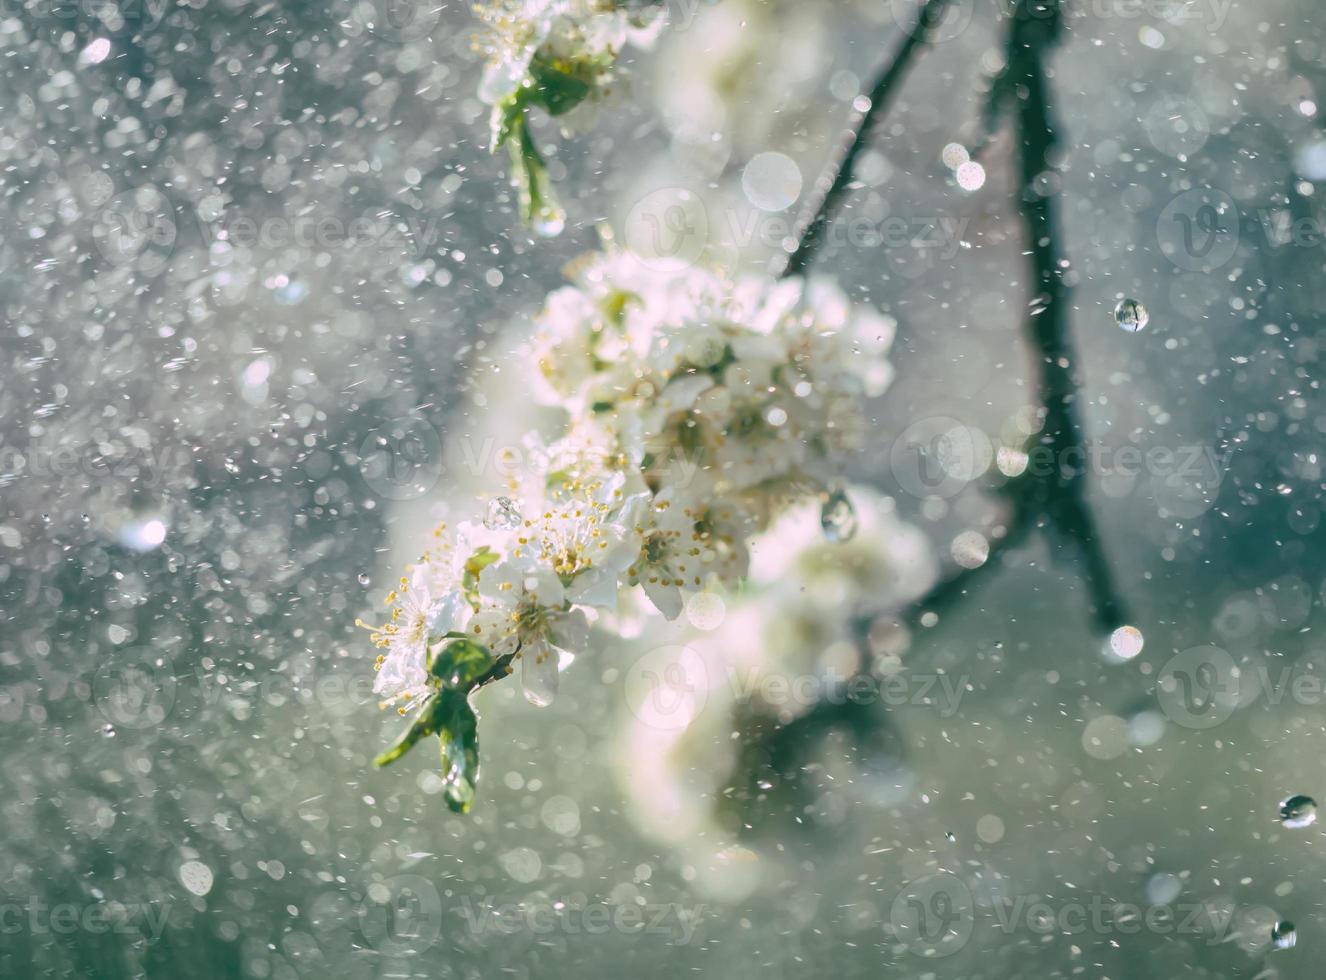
pixel 1297 812
pixel 1131 315
pixel 502 514
pixel 538 676
pixel 1283 935
pixel 838 517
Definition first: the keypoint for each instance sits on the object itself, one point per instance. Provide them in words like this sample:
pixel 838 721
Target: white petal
pixel 594 587
pixel 665 597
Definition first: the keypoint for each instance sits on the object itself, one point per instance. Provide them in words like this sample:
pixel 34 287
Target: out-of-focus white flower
pixel 792 622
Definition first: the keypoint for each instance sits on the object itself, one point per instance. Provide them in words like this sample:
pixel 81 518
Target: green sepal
pixel 427 721
pixel 474 565
pixel 453 672
pixel 459 665
pixel 557 91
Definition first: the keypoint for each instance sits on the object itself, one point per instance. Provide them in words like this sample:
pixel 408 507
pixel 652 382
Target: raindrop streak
pixel 1297 812
pixel 502 515
pixel 1131 315
pixel 1283 935
pixel 838 517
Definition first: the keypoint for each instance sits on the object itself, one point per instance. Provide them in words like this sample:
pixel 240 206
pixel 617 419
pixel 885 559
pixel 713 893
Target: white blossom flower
pixel 696 409
pixel 428 603
pixel 523 612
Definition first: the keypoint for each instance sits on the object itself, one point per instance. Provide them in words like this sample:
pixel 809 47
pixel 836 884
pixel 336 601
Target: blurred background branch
pixel 1055 500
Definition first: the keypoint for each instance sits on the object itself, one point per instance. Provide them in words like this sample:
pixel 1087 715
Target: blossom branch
pixel 833 184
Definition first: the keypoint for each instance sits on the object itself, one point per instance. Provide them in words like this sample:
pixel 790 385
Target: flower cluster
pixel 697 408
pixel 558 55
pixel 800 618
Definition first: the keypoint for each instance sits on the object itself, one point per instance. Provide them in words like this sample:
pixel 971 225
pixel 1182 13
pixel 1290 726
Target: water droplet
pixel 364 579
pixel 1126 642
pixel 96 52
pixel 970 549
pixel 1283 935
pixel 1131 315
pixel 143 536
pixel 196 877
pixel 538 674
pixel 502 514
pixel 970 176
pixel 549 223
pixel 1297 812
pixel 771 181
pixel 838 517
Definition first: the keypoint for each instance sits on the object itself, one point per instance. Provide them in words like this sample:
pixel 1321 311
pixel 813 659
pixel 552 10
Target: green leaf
pixel 427 721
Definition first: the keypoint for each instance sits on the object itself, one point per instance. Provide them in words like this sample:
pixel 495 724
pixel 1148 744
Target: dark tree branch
pixel 834 182
pixel 1057 500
